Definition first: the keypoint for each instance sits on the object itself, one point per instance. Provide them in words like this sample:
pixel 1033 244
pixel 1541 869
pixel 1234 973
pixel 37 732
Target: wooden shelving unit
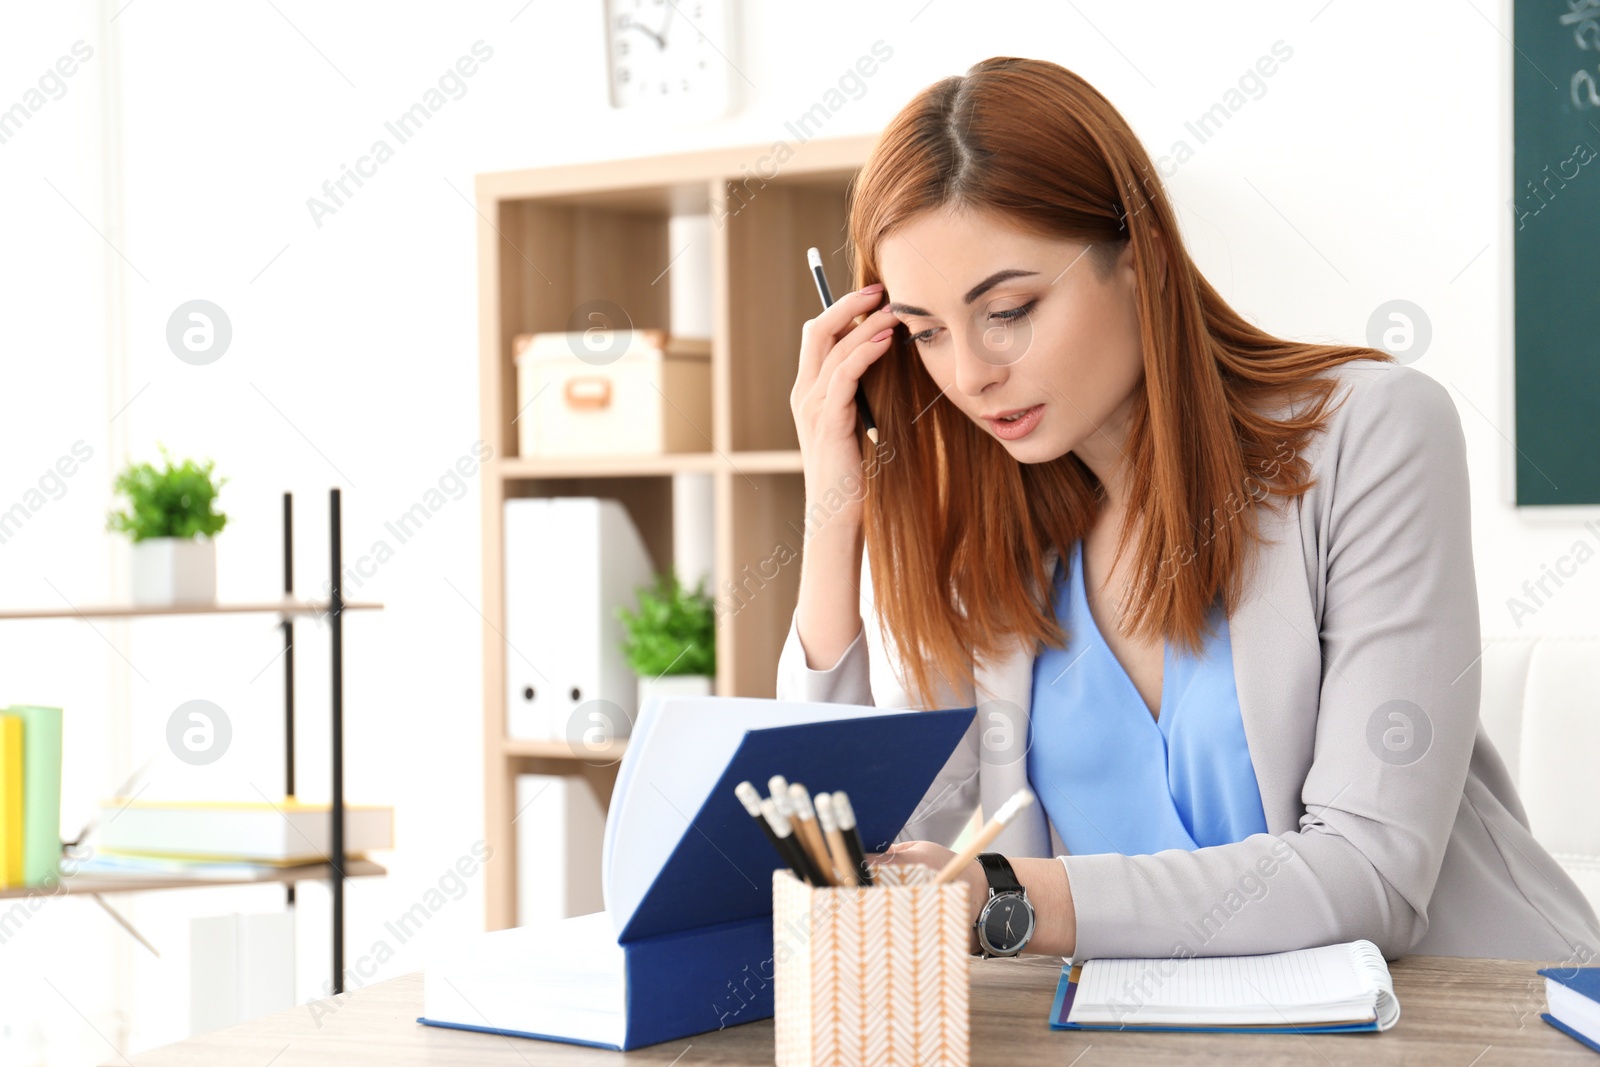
pixel 553 238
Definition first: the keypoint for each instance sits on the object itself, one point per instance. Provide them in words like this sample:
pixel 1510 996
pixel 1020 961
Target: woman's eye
pixel 1014 313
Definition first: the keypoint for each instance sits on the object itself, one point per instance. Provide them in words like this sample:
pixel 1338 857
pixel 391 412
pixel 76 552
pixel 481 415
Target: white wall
pixel 1374 167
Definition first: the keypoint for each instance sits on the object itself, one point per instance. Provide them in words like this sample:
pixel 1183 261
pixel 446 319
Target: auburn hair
pixel 956 530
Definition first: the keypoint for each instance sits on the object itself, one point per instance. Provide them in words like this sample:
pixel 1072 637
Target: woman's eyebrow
pixel 972 294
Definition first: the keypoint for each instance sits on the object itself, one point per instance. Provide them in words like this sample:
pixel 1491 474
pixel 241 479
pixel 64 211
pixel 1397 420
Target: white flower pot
pixel 174 570
pixel 675 685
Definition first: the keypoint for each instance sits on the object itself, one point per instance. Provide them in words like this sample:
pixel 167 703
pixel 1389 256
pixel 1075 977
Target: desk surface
pixel 1454 1013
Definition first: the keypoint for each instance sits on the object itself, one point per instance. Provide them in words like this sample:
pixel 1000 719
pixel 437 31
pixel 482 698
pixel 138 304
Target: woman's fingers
pixel 870 327
pixel 841 377
pixel 840 369
pixel 819 335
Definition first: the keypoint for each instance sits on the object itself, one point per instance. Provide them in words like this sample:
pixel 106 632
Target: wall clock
pixel 671 57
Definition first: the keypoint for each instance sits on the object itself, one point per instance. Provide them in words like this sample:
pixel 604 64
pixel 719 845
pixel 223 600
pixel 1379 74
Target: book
pixel 41 791
pixel 1573 997
pixel 685 943
pixel 1328 989
pixel 287 832
pixel 10 800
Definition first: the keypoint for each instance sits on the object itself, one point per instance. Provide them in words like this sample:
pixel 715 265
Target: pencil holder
pixel 870 974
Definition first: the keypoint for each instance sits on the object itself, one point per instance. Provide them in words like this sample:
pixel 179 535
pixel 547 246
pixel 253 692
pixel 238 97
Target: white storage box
pixel 604 392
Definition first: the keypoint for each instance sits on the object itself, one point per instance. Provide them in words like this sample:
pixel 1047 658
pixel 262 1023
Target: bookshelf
pixel 550 239
pixel 287 609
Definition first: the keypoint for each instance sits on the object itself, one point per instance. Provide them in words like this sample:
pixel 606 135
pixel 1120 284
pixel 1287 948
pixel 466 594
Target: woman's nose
pixel 981 361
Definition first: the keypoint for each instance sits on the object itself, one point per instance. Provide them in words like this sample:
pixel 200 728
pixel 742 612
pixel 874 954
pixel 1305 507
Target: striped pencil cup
pixel 870 974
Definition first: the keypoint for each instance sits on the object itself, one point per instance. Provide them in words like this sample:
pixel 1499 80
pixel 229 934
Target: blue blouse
pixel 1114 778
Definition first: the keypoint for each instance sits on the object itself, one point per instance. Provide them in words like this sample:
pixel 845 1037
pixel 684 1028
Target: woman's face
pixel 1007 321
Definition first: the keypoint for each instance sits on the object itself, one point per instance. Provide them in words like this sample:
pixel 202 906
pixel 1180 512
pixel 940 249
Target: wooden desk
pixel 1453 1013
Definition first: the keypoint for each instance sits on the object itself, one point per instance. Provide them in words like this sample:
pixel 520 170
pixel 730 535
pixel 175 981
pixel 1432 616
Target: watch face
pixel 1007 923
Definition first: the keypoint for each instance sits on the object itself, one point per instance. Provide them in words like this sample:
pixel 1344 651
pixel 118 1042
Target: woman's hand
pixel 936 856
pixel 833 355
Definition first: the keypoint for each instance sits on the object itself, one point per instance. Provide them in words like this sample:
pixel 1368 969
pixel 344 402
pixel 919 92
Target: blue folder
pixel 698 948
pixel 1585 981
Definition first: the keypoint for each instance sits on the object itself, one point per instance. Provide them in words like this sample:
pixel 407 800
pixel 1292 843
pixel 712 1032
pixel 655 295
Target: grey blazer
pixel 1390 815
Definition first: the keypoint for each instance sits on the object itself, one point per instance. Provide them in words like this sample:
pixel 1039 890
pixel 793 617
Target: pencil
pixel 991 830
pixel 752 804
pixel 778 787
pixel 836 846
pixel 814 260
pixel 805 828
pixel 845 816
pixel 784 832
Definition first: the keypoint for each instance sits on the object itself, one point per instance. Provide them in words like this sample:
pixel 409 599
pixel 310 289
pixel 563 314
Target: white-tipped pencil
pixel 778 790
pixel 810 835
pixel 836 845
pixel 991 830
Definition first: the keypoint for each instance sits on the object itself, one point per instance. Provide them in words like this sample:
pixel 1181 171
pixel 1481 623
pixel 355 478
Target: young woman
pixel 1211 591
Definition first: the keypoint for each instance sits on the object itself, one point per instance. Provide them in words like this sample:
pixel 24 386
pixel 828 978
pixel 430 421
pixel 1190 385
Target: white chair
pixel 1541 708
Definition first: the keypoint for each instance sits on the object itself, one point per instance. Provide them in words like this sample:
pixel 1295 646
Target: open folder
pixel 685 943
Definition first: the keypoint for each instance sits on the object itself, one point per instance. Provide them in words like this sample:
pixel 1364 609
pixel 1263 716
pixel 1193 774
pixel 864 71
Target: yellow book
pixel 10 801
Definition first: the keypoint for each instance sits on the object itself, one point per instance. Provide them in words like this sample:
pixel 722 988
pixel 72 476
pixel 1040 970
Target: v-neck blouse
pixel 1114 778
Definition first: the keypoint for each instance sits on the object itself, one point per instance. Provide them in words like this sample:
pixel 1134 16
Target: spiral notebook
pixel 1330 989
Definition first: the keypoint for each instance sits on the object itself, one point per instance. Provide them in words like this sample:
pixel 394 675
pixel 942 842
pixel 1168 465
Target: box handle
pixel 592 392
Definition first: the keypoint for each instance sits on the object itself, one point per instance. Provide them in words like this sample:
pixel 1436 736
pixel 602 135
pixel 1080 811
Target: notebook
pixel 1573 995
pixel 1330 989
pixel 685 943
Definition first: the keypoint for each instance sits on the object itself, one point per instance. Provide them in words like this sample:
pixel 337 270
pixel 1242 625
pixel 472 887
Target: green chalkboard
pixel 1555 207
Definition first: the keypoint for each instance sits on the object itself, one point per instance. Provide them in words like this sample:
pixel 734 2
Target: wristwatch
pixel 1006 922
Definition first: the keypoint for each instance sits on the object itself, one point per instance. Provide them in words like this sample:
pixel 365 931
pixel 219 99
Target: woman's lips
pixel 1017 428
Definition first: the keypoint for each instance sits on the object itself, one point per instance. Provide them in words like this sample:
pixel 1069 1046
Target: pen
pixel 836 846
pixel 805 828
pixel 788 843
pixel 814 259
pixel 845 816
pixel 991 830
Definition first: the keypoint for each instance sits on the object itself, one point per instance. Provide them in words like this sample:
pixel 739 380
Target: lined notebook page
pixel 1331 983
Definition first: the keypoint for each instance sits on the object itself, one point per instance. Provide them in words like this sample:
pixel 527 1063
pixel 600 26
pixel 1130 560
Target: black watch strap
pixel 996 868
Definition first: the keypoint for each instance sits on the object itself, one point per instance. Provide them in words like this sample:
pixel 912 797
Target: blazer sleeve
pixel 1395 721
pixel 868 673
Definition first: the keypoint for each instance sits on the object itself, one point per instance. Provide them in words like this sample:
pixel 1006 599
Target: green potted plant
pixel 171 519
pixel 671 642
